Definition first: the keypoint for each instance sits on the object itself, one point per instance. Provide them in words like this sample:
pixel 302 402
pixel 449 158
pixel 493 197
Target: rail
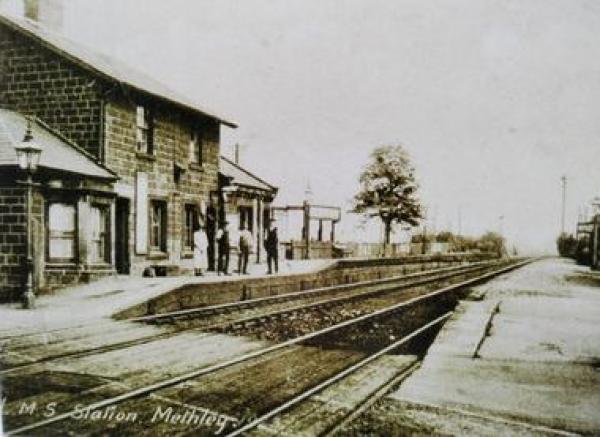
pixel 148 389
pixel 388 285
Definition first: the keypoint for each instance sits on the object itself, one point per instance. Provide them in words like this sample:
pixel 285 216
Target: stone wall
pixel 342 272
pixel 34 81
pixel 171 147
pixel 13 239
pixel 100 116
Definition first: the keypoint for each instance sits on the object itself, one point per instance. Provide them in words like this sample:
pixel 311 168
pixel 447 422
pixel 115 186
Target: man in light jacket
pixel 245 246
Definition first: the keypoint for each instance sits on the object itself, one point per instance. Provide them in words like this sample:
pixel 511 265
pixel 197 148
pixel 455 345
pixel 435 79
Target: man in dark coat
pixel 223 249
pixel 271 246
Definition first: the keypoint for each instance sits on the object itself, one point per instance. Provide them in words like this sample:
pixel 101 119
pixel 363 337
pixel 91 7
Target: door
pixel 122 236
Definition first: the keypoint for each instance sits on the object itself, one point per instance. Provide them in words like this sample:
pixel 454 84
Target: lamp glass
pixel 28 155
pixel 22 159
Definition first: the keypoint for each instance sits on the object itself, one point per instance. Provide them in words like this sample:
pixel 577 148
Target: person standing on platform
pixel 223 249
pixel 272 248
pixel 245 246
pixel 200 250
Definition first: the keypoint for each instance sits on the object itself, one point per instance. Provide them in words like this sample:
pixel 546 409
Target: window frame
pixel 162 227
pixel 189 228
pixel 74 237
pixel 144 130
pixel 196 146
pixel 105 237
pixel 246 217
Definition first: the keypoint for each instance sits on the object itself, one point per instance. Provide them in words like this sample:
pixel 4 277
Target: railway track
pixel 247 303
pixel 232 306
pixel 270 422
pixel 99 323
pixel 221 317
pixel 252 427
pixel 329 357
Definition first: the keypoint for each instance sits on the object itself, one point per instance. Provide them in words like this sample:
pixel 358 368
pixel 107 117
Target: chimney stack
pixel 32 9
pixel 49 13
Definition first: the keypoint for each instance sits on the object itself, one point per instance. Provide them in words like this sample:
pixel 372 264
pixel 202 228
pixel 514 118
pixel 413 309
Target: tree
pixel 464 243
pixel 445 237
pixel 388 189
pixel 567 245
pixel 422 238
pixel 492 242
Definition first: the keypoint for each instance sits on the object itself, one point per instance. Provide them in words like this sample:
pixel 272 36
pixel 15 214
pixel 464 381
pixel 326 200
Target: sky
pixel 493 100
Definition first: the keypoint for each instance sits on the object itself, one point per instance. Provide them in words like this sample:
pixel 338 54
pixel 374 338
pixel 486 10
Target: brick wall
pixel 171 145
pixel 33 80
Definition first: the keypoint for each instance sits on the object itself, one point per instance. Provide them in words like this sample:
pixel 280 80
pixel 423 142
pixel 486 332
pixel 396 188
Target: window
pixel 100 234
pixel 158 225
pixel 195 146
pixel 246 217
pixel 61 232
pixel 144 130
pixel 191 221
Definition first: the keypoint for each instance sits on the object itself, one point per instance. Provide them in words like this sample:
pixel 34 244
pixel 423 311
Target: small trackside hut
pixel 246 202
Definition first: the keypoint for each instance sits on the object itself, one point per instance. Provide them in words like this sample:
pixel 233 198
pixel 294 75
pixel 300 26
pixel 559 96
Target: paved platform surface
pixel 99 300
pixel 523 360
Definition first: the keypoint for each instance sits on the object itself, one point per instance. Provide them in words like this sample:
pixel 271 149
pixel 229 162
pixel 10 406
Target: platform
pixel 127 296
pixel 522 360
pixel 99 300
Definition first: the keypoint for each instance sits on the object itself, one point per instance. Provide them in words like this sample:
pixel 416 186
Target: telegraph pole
pixel 563 181
pixel 236 158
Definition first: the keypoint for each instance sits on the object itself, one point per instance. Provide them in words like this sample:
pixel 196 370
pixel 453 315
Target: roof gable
pixel 242 177
pixel 58 153
pixel 105 66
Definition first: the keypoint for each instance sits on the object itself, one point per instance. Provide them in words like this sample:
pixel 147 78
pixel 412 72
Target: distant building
pixel 128 165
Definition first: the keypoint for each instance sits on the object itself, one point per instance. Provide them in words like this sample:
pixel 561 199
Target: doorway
pixel 122 262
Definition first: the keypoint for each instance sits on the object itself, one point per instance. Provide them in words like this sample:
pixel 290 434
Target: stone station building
pixel 134 164
pixel 72 210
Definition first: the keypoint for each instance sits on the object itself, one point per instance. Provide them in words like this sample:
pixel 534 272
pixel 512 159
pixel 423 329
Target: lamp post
pixel 28 157
pixel 595 231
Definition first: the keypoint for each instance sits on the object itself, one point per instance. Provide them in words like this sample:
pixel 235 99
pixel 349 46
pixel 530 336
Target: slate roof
pixel 242 177
pixel 104 66
pixel 58 153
